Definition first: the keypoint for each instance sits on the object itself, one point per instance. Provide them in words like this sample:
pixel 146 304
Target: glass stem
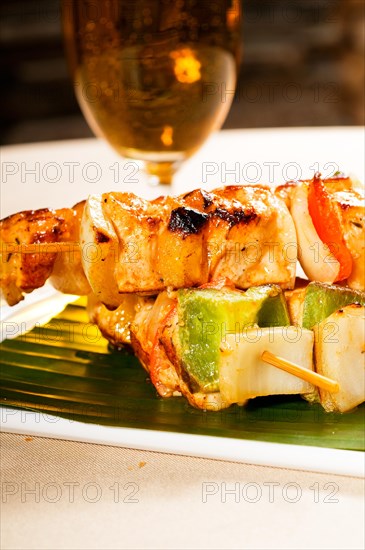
pixel 161 172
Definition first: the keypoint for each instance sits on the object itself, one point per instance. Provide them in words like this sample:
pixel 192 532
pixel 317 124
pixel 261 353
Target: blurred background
pixel 303 65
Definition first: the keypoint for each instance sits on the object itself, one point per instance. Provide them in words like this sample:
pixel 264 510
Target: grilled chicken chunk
pixel 153 343
pixel 141 246
pixel 243 233
pixel 145 339
pixel 251 238
pixel 115 325
pixel 26 271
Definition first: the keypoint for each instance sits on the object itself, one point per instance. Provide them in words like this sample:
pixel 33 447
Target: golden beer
pixel 154 77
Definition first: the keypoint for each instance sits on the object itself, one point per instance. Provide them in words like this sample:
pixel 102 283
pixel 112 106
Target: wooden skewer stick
pixel 39 248
pixel 305 374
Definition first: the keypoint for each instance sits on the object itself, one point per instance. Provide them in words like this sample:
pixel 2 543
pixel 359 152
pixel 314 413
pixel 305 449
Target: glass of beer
pixel 154 77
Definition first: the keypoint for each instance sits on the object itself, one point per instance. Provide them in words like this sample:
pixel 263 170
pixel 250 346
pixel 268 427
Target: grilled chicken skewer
pixel 122 244
pixel 130 245
pixel 208 344
pixel 125 250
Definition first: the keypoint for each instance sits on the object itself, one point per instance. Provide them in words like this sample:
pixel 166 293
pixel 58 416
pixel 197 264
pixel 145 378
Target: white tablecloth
pixel 59 494
pixel 57 174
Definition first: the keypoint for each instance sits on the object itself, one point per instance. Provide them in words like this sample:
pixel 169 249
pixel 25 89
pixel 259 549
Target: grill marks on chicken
pixel 186 221
pixel 249 233
pixel 148 246
pixel 141 253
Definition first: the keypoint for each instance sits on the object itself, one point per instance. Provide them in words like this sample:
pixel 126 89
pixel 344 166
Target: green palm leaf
pixel 66 368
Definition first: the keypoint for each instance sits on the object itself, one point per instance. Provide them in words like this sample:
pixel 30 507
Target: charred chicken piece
pixel 25 268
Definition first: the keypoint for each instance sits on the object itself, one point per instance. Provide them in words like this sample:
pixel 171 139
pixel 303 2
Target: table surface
pixel 58 174
pixel 63 494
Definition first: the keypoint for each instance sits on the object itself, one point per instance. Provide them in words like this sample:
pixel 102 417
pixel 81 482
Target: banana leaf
pixel 66 368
